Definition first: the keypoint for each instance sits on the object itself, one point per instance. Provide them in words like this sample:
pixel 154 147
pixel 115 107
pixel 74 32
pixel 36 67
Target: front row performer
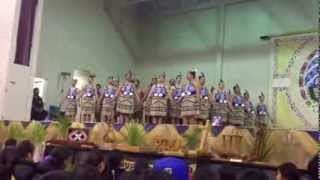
pixel 190 99
pixel 88 102
pixel 71 101
pixel 205 97
pixel 109 96
pixel 237 106
pixel 220 108
pixel 159 100
pixel 127 98
pixel 262 112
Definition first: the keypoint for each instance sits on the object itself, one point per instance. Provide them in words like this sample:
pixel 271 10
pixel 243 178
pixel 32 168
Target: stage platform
pixel 194 142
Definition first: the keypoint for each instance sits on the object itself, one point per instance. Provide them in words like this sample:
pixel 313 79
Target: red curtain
pixel 25 32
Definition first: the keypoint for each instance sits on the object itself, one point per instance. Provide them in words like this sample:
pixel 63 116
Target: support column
pixel 220 40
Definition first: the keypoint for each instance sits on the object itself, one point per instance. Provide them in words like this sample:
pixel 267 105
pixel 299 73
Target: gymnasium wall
pixel 179 42
pixel 78 34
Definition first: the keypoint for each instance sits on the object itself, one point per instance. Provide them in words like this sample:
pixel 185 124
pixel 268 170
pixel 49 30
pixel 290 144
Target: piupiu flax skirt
pixel 204 109
pixel 222 110
pixel 71 107
pixel 190 106
pixel 108 106
pixel 125 104
pixel 175 109
pixel 158 106
pixel 146 107
pixel 237 116
pixel 88 104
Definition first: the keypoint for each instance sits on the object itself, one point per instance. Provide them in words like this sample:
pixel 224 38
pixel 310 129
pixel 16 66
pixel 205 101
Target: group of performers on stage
pixel 176 102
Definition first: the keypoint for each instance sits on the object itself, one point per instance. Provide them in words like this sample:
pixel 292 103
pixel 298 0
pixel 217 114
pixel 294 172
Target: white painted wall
pixel 16 80
pixel 78 35
pixel 7 21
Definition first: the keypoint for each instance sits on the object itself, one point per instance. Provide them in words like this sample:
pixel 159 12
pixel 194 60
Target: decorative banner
pixel 296 81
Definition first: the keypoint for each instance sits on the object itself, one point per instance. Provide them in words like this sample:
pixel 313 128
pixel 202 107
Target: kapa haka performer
pixel 147 102
pixel 237 107
pixel 127 98
pixel 175 95
pixel 190 99
pixel 204 98
pixel 88 101
pixel 262 112
pixel 248 109
pixel 159 100
pixel 109 95
pixel 71 101
pixel 220 110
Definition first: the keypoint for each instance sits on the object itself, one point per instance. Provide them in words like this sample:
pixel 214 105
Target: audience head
pixel 313 167
pixel 95 159
pixel 86 172
pixel 25 150
pixel 206 173
pixel 60 155
pixel 254 175
pixel 227 173
pixel 159 175
pixel 10 143
pixel 288 171
pixel 56 175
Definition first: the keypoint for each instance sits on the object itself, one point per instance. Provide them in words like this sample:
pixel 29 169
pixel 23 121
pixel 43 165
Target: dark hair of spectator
pixel 313 167
pixel 24 148
pixel 254 175
pixel 289 171
pixel 10 142
pixel 206 173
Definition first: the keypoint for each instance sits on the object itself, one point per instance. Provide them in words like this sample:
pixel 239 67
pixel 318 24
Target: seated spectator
pixel 313 168
pixel 91 166
pixel 56 175
pixel 113 170
pixel 159 175
pixel 254 175
pixel 56 160
pixel 10 143
pixel 8 158
pixel 288 171
pixel 206 173
pixel 228 173
pixel 37 108
pixel 178 168
pixel 25 169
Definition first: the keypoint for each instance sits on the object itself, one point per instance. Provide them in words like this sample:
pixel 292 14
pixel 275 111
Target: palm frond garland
pixel 36 132
pixel 135 136
pixel 262 147
pixel 193 138
pixel 63 124
pixel 16 131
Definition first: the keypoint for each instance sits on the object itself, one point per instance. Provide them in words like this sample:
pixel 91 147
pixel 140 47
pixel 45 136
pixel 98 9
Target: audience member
pixel 8 158
pixel 113 170
pixel 91 166
pixel 313 167
pixel 56 175
pixel 254 175
pixel 25 169
pixel 288 171
pixel 177 167
pixel 56 160
pixel 206 173
pixel 227 172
